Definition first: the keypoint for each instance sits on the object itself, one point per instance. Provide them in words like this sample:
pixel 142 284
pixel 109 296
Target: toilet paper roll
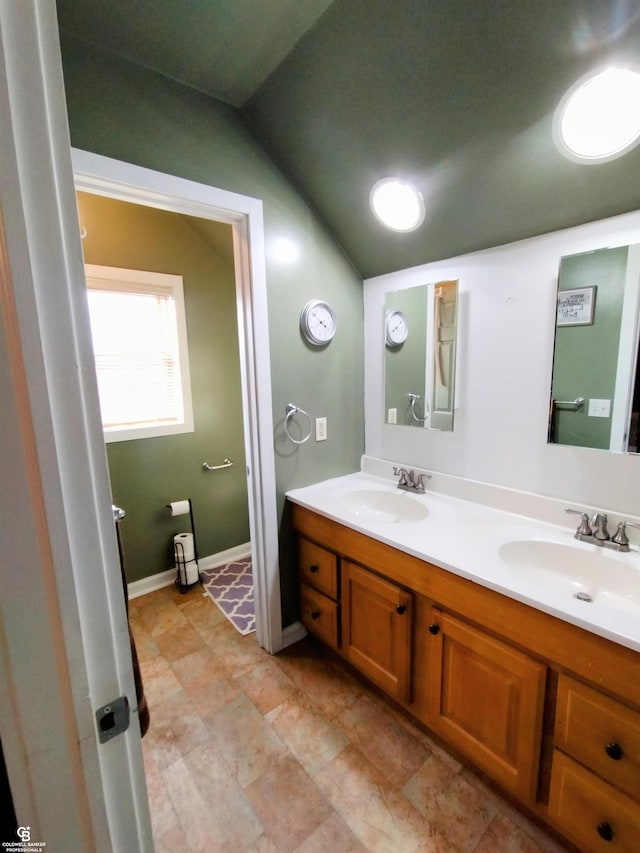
pixel 184 547
pixel 188 573
pixel 179 507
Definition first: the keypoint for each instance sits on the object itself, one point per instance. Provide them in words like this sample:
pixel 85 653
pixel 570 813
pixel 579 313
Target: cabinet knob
pixel 313 569
pixel 315 614
pixel 604 831
pixel 614 750
pixel 433 629
pixel 400 608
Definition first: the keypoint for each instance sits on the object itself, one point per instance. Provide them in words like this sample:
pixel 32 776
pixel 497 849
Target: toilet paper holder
pixel 181 508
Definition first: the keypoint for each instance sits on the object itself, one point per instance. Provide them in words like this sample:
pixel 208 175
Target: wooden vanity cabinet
pixel 376 628
pixel 549 711
pixel 487 700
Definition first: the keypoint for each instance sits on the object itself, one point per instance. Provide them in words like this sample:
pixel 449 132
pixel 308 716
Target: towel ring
pixel 292 410
pixel 413 399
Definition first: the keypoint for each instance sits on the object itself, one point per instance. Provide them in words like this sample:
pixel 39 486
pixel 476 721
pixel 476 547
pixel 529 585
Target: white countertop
pixel 465 538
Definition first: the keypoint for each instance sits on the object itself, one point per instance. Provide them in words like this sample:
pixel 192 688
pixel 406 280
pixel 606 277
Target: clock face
pixel 318 322
pixel 396 328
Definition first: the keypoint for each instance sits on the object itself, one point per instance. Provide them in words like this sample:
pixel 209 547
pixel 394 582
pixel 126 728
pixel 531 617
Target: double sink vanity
pixel 515 643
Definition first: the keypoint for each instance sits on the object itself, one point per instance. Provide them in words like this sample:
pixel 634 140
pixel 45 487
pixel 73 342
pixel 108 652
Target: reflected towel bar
pixel 226 464
pixel 569 405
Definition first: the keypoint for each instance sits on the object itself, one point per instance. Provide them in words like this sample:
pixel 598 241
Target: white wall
pixel 505 351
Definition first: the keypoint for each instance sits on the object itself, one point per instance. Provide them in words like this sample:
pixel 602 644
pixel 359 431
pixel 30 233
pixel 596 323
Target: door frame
pixel 64 642
pixel 127 182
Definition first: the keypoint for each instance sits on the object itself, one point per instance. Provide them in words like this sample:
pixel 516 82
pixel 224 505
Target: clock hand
pixel 320 320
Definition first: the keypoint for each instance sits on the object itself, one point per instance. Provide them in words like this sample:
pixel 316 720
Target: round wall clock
pixel 396 328
pixel 318 322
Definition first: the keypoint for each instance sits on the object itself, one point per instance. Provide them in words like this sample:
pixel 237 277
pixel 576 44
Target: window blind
pixel 137 358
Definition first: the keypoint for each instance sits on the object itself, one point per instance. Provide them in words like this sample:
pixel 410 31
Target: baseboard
pixel 137 588
pixel 292 633
pixel 238 552
pixel 158 581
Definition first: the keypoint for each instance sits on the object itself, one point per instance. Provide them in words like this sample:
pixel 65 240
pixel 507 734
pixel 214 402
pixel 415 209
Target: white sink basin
pixel 387 507
pixel 589 573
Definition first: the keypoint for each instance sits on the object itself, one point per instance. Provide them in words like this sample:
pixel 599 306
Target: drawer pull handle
pixel 433 629
pixel 315 614
pixel 400 609
pixel 313 569
pixel 614 750
pixel 604 831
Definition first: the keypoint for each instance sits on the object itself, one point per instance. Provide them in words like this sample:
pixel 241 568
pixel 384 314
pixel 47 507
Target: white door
pixel 64 649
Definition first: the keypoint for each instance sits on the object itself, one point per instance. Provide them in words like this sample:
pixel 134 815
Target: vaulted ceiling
pixel 456 95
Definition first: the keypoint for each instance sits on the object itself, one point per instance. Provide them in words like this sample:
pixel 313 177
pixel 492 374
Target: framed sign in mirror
pixel 576 307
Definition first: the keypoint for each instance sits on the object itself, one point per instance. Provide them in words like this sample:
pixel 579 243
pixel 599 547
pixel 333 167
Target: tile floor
pixel 249 752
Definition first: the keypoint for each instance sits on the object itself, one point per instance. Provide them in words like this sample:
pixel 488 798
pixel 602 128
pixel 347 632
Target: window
pixel 140 343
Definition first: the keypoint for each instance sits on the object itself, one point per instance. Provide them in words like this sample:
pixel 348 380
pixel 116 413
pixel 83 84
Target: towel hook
pixel 292 410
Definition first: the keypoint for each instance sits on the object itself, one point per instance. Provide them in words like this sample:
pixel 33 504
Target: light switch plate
pixel 599 408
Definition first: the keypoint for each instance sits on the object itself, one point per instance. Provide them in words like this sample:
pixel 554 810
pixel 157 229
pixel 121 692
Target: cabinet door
pixel 376 628
pixel 487 700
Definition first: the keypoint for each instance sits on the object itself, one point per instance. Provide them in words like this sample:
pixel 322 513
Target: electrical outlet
pixel 321 429
pixel 392 416
pixel 599 408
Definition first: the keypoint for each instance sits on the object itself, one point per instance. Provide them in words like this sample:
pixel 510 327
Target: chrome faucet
pixel 595 531
pixel 410 481
pixel 599 527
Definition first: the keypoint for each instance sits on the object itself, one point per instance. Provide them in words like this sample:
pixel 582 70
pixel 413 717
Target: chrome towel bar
pixel 226 464
pixel 569 405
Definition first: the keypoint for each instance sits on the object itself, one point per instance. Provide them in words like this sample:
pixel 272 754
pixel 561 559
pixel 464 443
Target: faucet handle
pixel 620 536
pixel 584 528
pixel 419 482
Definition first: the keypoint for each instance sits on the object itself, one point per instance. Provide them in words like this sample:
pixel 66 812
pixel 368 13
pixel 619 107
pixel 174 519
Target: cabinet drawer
pixel 319 615
pixel 318 567
pixel 599 732
pixel 594 814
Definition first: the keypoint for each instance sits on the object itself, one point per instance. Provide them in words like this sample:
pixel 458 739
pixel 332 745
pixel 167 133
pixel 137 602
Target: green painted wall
pixel 148 473
pixel 405 366
pixel 124 111
pixel 585 357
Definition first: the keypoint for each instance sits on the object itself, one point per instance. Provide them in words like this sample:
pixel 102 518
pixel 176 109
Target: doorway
pixel 164 319
pixel 121 181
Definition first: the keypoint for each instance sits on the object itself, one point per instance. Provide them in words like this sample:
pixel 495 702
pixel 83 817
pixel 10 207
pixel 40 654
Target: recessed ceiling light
pixel 397 204
pixel 599 117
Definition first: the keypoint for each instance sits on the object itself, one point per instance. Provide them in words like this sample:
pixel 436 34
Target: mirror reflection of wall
pixel 420 363
pixel 594 371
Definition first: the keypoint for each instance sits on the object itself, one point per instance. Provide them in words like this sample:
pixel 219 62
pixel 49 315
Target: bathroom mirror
pixel 595 395
pixel 420 355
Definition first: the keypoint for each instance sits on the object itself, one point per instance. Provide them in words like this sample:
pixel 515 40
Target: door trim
pixel 127 182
